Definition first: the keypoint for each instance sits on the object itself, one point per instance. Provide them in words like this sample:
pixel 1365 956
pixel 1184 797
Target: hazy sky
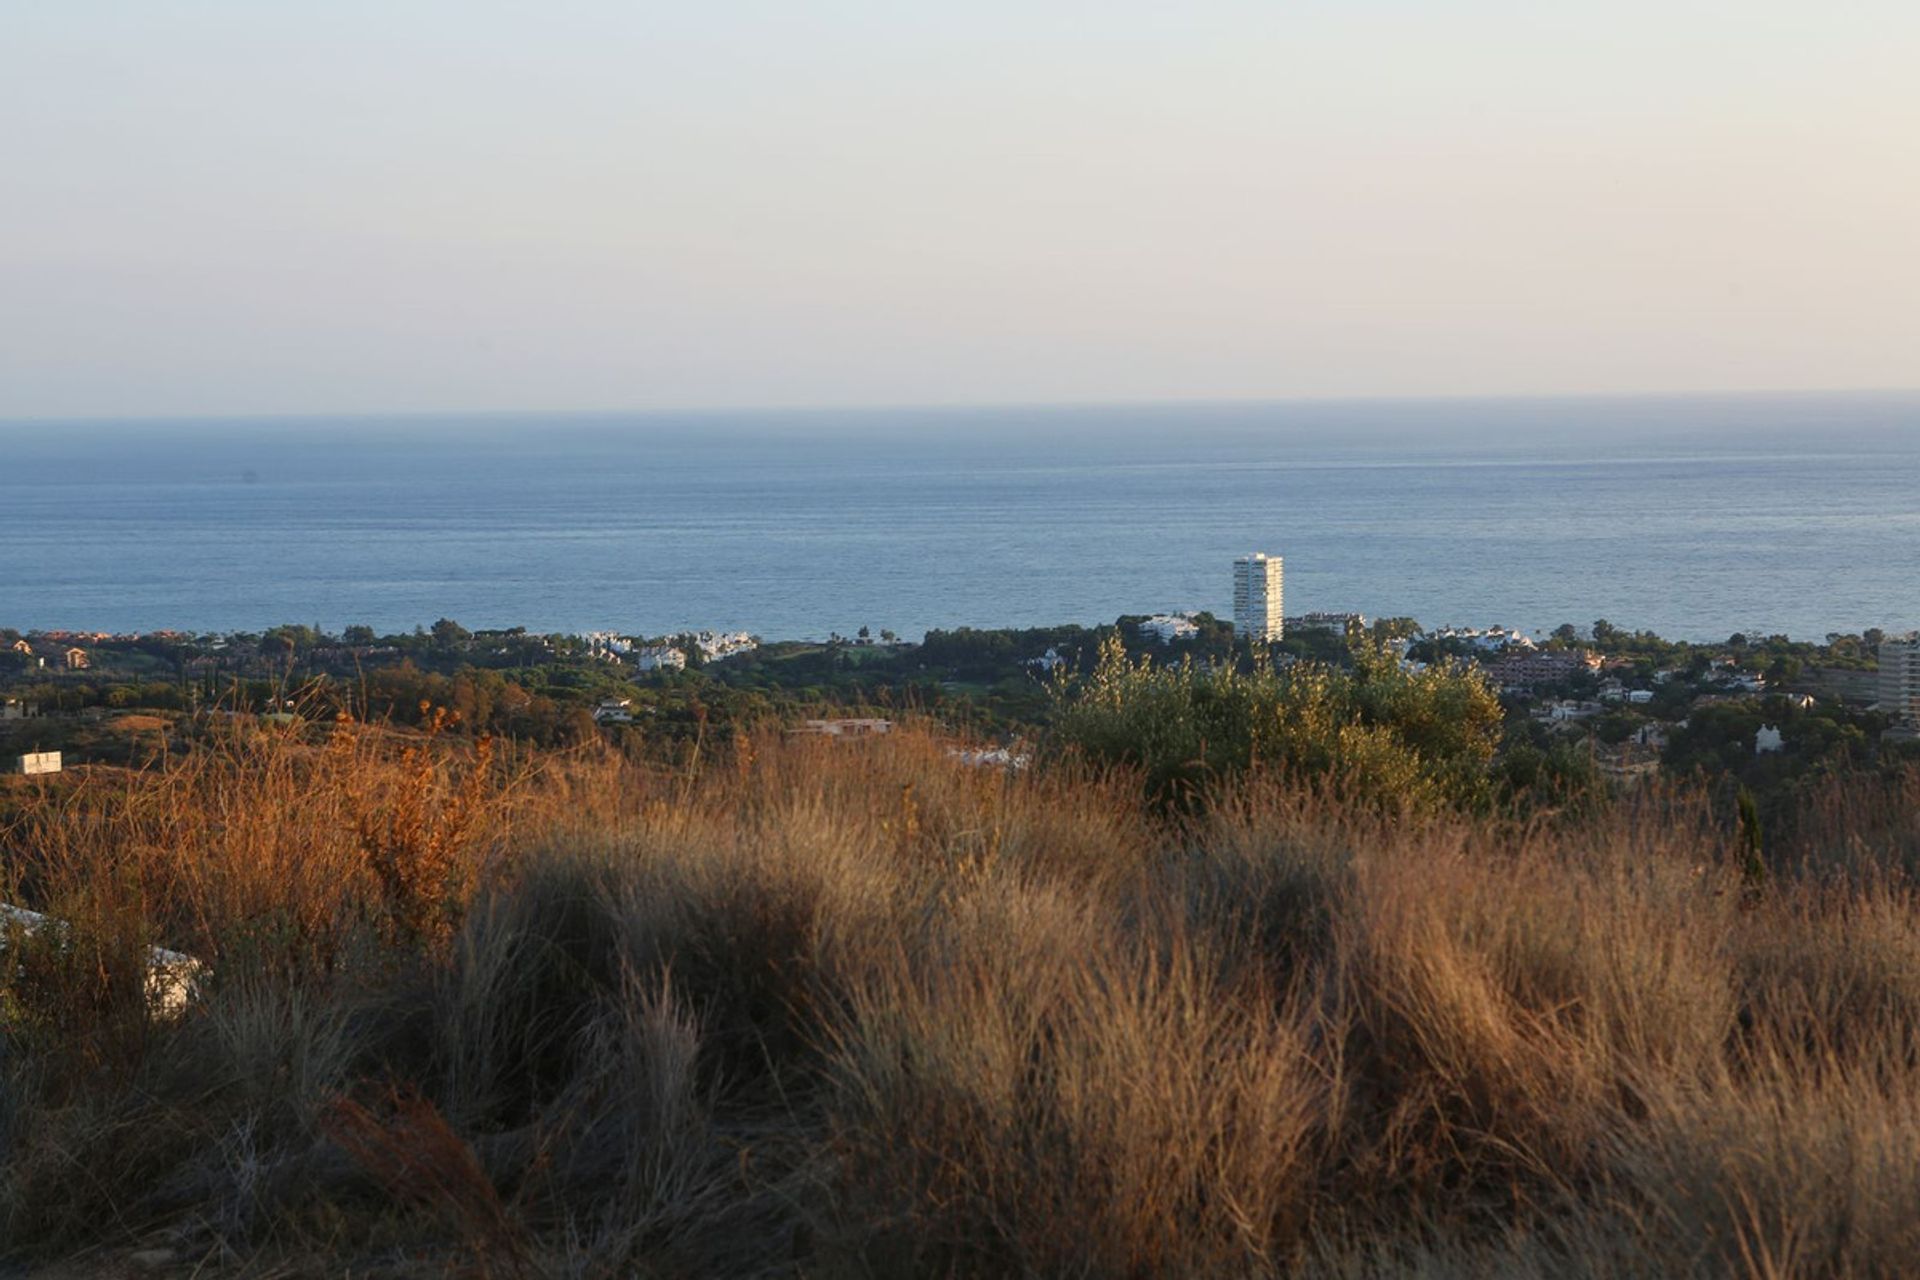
pixel 231 206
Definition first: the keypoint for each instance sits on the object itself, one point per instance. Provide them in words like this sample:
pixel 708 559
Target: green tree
pixel 448 634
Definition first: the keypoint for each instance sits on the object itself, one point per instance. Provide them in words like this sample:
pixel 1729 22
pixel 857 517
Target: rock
pixel 173 979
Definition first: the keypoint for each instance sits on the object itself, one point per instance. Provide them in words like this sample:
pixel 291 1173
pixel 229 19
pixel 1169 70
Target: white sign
pixel 40 762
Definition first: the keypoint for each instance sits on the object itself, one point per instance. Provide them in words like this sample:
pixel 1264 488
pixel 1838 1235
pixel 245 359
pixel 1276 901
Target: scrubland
pixel 862 1009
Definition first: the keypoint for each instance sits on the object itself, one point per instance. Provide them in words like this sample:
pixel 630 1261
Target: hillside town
pixel 1623 705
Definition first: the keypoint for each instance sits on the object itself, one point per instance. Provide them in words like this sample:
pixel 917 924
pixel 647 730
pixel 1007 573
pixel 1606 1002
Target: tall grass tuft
pixel 868 1009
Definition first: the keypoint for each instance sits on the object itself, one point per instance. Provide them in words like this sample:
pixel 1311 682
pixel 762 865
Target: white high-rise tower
pixel 1258 612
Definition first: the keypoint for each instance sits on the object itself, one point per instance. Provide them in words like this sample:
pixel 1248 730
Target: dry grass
pixel 859 1009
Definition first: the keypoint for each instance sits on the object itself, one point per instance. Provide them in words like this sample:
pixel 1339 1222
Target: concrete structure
pixel 614 712
pixel 1337 624
pixel 1616 691
pixel 40 762
pixel 1168 627
pixel 715 645
pixel 608 646
pixel 1899 686
pixel 1259 611
pixel 1484 640
pixel 847 728
pixel 1767 740
pixel 173 978
pixel 1525 671
pixel 14 709
pixel 660 657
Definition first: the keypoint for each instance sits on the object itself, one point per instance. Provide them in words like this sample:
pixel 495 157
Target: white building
pixel 607 645
pixel 1258 603
pixel 844 728
pixel 1900 677
pixel 1493 639
pixel 1337 624
pixel 614 711
pixel 715 645
pixel 1168 627
pixel 660 657
pixel 1047 661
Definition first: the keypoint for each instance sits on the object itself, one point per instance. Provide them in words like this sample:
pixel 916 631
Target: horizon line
pixel 956 406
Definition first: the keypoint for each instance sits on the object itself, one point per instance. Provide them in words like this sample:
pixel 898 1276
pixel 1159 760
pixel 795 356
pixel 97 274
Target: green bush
pixel 1375 730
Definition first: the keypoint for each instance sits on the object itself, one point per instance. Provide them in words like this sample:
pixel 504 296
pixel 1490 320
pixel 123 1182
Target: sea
pixel 1695 516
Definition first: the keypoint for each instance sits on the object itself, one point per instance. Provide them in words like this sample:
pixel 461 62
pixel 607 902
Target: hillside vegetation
pixel 1238 979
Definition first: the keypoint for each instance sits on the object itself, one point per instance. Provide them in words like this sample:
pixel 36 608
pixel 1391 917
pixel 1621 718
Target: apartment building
pixel 1900 676
pixel 1259 611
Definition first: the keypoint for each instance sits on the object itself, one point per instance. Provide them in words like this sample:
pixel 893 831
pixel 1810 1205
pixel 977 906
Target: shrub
pixel 1378 732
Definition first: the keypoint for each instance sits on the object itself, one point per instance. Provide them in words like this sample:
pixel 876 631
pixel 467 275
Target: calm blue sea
pixel 1694 516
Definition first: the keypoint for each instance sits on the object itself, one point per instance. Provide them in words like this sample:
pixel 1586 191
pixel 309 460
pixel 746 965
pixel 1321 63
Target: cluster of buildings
pixel 660 657
pixel 1168 627
pixel 607 646
pixel 711 645
pixel 1483 639
pixel 1523 671
pixel 70 657
pixel 1613 690
pixel 1259 607
pixel 1333 624
pixel 715 645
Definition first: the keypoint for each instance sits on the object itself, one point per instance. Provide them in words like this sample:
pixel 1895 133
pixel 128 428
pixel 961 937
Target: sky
pixel 234 207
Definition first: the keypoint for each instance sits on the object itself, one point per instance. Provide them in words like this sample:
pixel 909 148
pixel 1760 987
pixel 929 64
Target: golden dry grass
pixel 860 1009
